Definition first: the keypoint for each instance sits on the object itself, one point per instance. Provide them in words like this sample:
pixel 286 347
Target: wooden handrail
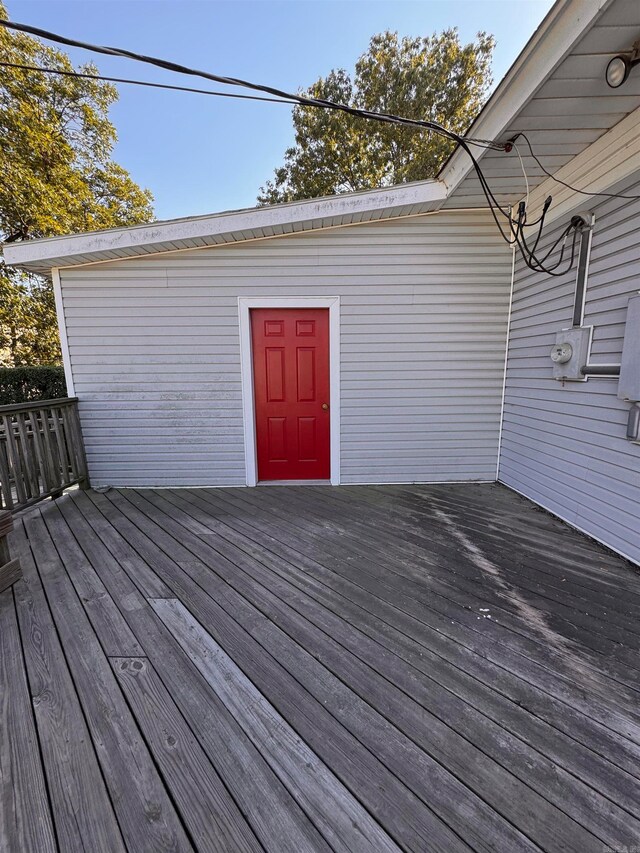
pixel 10 570
pixel 41 451
pixel 37 404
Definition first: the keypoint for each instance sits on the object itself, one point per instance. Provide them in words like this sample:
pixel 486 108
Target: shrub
pixel 24 384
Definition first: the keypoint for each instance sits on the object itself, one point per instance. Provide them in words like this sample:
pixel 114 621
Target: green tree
pixel 435 78
pixel 56 177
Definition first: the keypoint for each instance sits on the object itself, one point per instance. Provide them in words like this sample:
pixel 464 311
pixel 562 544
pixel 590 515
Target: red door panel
pixel 291 386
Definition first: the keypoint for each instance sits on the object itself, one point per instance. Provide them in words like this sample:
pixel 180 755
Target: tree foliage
pixel 56 177
pixel 435 78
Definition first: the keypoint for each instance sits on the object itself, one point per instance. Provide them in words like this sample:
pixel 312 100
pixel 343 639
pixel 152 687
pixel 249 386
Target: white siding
pixel 565 447
pixel 154 350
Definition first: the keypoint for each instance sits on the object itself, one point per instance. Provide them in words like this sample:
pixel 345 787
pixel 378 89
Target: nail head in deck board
pixel 333 809
pixel 210 814
pixel 579 761
pixel 396 806
pixel 494 754
pixel 456 804
pixel 25 815
pixel 81 808
pixel 145 812
pixel 274 816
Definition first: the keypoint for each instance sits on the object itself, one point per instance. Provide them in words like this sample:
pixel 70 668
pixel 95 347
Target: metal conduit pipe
pixel 600 370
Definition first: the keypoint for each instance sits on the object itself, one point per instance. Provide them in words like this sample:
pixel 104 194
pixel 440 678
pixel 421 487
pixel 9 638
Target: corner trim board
pixel 62 329
pixel 245 303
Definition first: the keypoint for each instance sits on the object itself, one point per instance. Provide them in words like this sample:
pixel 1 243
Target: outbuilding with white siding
pixel 385 336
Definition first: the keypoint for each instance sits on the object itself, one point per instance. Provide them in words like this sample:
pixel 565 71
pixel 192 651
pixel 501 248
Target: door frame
pixel 245 304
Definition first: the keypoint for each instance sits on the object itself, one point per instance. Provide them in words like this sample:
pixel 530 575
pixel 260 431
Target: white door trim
pixel 245 304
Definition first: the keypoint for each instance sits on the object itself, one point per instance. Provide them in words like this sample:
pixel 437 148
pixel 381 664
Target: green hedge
pixel 23 384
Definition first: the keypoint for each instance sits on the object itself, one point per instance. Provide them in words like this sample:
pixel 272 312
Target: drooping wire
pixel 147 83
pixel 564 183
pixel 516 226
pixel 303 100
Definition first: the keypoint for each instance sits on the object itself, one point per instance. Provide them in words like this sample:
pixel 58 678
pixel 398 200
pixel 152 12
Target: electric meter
pixel 561 353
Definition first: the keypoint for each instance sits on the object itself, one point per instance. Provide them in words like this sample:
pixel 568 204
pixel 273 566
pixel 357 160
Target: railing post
pixel 83 472
pixel 10 570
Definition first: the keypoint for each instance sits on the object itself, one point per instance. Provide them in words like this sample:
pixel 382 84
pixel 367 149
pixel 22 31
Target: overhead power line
pixel 303 100
pixel 515 235
pixel 101 77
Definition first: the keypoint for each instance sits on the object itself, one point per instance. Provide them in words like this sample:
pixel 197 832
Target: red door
pixel 291 387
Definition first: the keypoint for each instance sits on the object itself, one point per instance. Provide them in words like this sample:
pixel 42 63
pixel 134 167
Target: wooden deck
pixel 439 668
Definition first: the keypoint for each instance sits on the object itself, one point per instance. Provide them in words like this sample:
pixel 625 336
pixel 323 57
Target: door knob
pixel 325 406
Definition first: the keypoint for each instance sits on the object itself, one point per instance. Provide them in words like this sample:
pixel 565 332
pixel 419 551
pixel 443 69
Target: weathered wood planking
pixel 210 814
pixel 144 809
pixel 25 815
pixel 115 636
pixel 223 608
pixel 314 672
pixel 565 752
pixel 269 810
pixel 400 811
pixel 82 811
pixel 425 600
pixel 334 810
pixel 368 539
pixel 428 647
pixel 10 570
pixel 419 709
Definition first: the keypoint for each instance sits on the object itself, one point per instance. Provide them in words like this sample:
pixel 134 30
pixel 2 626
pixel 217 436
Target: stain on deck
pixel 424 668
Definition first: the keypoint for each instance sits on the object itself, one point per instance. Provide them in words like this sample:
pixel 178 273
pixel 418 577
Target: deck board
pixel 25 815
pixel 308 668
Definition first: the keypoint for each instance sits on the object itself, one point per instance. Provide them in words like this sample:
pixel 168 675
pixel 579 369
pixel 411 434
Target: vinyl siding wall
pixel 155 356
pixel 565 447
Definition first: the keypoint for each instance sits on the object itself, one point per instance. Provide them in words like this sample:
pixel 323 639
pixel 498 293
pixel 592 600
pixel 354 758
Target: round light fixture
pixel 617 71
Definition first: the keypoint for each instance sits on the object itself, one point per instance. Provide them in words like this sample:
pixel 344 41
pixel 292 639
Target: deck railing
pixel 41 451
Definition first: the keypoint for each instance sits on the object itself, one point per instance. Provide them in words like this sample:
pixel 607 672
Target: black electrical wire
pixel 565 184
pixel 235 81
pixel 516 226
pixel 101 77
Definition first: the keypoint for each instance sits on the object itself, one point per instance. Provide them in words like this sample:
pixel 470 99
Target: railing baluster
pixel 15 466
pixel 51 448
pixel 6 491
pixel 65 466
pixel 27 456
pixel 41 452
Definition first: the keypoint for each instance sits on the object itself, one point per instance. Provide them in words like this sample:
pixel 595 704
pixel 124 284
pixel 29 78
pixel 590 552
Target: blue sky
pixel 199 154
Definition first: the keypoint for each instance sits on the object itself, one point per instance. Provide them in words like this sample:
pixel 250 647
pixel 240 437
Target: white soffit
pixel 41 256
pixel 570 105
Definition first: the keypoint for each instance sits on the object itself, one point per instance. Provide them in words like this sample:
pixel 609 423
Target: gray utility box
pixel 629 384
pixel 571 353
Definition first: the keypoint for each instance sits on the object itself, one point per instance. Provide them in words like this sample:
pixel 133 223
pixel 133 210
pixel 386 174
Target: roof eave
pixel 564 25
pixel 42 255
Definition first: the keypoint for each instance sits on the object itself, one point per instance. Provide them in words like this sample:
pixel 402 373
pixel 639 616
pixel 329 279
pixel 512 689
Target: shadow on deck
pixel 427 668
